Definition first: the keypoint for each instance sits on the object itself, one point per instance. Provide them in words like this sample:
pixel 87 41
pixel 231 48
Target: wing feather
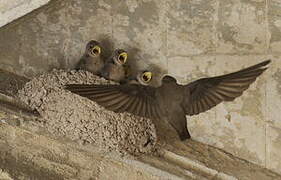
pixel 126 105
pixel 206 93
pixel 136 99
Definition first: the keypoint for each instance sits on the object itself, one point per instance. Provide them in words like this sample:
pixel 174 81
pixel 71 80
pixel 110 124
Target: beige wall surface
pixel 188 39
pixel 13 9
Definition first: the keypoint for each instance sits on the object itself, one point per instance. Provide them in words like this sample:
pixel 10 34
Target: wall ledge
pixel 12 10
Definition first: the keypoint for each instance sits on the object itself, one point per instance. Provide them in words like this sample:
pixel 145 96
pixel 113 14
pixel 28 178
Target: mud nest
pixel 80 119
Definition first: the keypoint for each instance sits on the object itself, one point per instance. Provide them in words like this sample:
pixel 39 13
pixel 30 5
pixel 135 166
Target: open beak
pixel 96 50
pixel 122 58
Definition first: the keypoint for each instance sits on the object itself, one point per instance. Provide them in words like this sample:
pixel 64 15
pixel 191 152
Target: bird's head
pixel 120 57
pixel 93 48
pixel 144 77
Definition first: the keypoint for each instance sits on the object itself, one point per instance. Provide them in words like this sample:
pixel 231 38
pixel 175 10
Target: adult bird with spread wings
pixel 171 100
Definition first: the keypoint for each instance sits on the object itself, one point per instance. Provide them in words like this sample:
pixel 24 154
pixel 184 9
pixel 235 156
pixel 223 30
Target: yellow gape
pixel 122 58
pixel 146 76
pixel 96 50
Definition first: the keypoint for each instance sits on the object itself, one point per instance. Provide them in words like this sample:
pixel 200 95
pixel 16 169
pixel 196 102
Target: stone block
pixel 241 27
pixel 273 149
pixel 190 28
pixel 274 20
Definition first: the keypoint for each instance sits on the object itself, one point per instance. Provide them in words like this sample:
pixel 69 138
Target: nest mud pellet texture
pixel 80 119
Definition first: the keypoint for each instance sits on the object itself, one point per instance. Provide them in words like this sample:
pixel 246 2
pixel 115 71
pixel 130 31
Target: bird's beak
pixel 122 58
pixel 96 50
pixel 147 76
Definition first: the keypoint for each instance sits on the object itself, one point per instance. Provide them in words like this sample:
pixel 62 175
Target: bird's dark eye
pixel 96 50
pixel 122 58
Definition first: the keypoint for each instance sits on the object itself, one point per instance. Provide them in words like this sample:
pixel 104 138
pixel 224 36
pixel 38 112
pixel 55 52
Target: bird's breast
pixel 169 97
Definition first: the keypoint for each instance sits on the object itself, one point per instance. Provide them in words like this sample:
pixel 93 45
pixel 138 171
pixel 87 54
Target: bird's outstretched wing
pixel 206 93
pixel 132 98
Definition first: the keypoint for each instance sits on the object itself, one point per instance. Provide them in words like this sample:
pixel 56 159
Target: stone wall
pixel 13 9
pixel 187 39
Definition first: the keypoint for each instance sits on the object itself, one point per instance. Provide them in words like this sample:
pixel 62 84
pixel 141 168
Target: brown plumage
pixel 114 68
pixel 91 60
pixel 171 100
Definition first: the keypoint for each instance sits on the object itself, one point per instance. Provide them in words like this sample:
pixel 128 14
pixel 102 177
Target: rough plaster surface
pixel 274 145
pixel 13 9
pixel 274 9
pixel 4 175
pixel 188 39
pixel 273 128
pixel 190 27
pixel 27 155
pixel 236 18
pixel 72 116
